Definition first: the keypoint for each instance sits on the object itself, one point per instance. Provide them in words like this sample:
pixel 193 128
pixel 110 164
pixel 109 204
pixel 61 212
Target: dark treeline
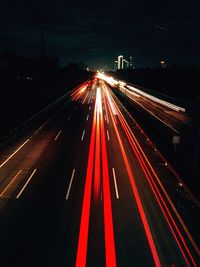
pixel 180 82
pixel 28 84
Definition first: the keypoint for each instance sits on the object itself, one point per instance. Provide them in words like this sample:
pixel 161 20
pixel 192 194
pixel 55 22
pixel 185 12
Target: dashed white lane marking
pixel 57 135
pixel 108 136
pixel 21 191
pixel 87 118
pixel 115 183
pixel 89 107
pixel 83 134
pixel 70 184
pixel 69 117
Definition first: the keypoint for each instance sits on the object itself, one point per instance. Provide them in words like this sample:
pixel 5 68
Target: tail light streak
pixel 137 198
pixel 97 152
pixel 158 195
pixel 108 220
pixel 139 154
pixel 85 215
pixel 97 171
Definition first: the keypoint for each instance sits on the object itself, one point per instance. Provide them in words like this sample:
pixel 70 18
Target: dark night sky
pixel 96 32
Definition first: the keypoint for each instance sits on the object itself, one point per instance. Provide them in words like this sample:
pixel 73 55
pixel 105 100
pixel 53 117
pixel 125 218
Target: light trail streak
pixel 113 82
pixel 154 115
pixel 97 171
pixel 157 100
pixel 84 100
pixel 137 198
pixel 79 92
pixel 85 215
pixel 163 211
pixel 108 220
pixel 133 141
pixel 107 119
pixel 162 157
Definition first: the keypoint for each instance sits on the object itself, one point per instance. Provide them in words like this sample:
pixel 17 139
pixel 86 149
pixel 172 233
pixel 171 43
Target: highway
pixel 172 125
pixel 86 187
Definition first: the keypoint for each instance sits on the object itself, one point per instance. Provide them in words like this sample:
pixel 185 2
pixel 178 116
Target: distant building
pixel 131 64
pixel 126 64
pixel 163 63
pixel 122 63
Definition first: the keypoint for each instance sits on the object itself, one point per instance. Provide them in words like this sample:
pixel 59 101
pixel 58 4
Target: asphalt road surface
pixel 85 187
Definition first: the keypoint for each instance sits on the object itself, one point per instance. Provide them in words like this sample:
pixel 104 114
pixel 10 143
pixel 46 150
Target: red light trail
pixel 97 144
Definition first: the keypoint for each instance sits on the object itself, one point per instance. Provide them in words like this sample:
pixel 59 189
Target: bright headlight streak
pixel 133 141
pixel 122 83
pixel 127 92
pixel 155 99
pixel 111 104
pixel 110 80
pixel 137 198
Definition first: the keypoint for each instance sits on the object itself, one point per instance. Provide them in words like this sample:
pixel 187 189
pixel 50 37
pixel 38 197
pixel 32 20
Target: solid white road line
pixel 41 127
pixel 2 164
pixel 57 135
pixel 70 184
pixel 83 134
pixel 10 183
pixel 21 191
pixel 108 136
pixel 87 118
pixel 115 183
